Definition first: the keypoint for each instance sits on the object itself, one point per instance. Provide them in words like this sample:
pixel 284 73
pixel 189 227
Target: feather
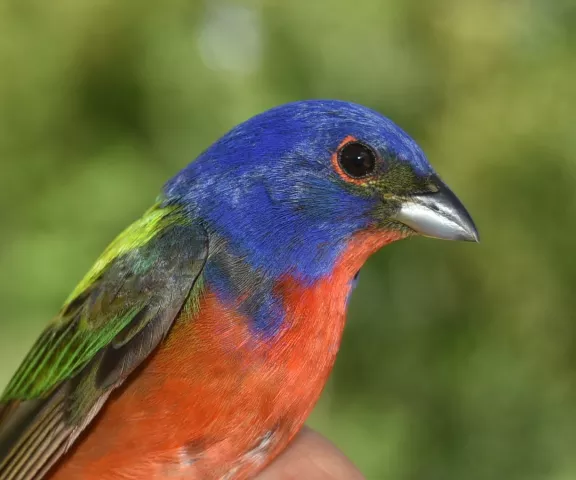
pixel 123 309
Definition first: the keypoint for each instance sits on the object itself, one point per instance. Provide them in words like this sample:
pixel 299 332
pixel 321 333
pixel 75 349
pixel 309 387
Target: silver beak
pixel 438 215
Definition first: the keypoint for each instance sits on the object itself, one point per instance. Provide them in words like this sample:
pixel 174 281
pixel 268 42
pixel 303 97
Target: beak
pixel 438 215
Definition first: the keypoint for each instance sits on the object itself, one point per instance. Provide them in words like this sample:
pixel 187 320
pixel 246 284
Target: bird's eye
pixel 357 160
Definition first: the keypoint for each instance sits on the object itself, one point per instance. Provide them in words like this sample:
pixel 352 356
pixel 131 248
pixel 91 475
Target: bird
pixel 200 340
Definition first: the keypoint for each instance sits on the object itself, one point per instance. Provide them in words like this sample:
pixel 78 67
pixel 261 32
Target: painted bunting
pixel 200 340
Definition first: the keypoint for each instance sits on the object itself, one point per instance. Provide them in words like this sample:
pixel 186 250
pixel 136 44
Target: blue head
pixel 287 189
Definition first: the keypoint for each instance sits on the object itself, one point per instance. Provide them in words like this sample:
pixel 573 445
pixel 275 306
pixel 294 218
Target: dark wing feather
pixel 114 320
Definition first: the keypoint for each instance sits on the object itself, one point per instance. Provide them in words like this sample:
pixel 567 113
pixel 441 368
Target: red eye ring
pixel 354 161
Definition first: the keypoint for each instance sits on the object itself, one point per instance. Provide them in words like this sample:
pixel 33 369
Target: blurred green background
pixel 459 360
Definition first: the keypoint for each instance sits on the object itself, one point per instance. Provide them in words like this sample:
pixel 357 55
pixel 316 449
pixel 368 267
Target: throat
pixel 271 305
pixel 318 312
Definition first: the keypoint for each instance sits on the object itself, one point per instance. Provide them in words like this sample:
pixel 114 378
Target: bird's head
pixel 289 188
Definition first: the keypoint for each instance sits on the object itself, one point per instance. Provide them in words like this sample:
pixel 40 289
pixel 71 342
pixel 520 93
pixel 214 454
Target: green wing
pixel 110 324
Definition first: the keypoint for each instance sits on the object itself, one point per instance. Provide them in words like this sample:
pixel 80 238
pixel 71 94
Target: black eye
pixel 357 160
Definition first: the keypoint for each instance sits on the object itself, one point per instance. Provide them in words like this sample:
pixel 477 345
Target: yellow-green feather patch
pixel 142 279
pixel 136 235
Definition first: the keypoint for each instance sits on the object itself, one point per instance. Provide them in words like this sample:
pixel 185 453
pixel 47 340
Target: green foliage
pixel 458 360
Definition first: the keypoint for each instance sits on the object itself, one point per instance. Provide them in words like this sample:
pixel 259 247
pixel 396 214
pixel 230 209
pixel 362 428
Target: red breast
pixel 214 400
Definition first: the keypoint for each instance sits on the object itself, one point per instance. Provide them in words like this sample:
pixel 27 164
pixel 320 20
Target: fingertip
pixel 313 457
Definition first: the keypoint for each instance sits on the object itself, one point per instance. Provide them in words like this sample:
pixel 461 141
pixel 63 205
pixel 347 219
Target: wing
pixel 111 323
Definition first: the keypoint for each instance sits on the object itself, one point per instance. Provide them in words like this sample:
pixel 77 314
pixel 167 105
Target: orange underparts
pixel 214 400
